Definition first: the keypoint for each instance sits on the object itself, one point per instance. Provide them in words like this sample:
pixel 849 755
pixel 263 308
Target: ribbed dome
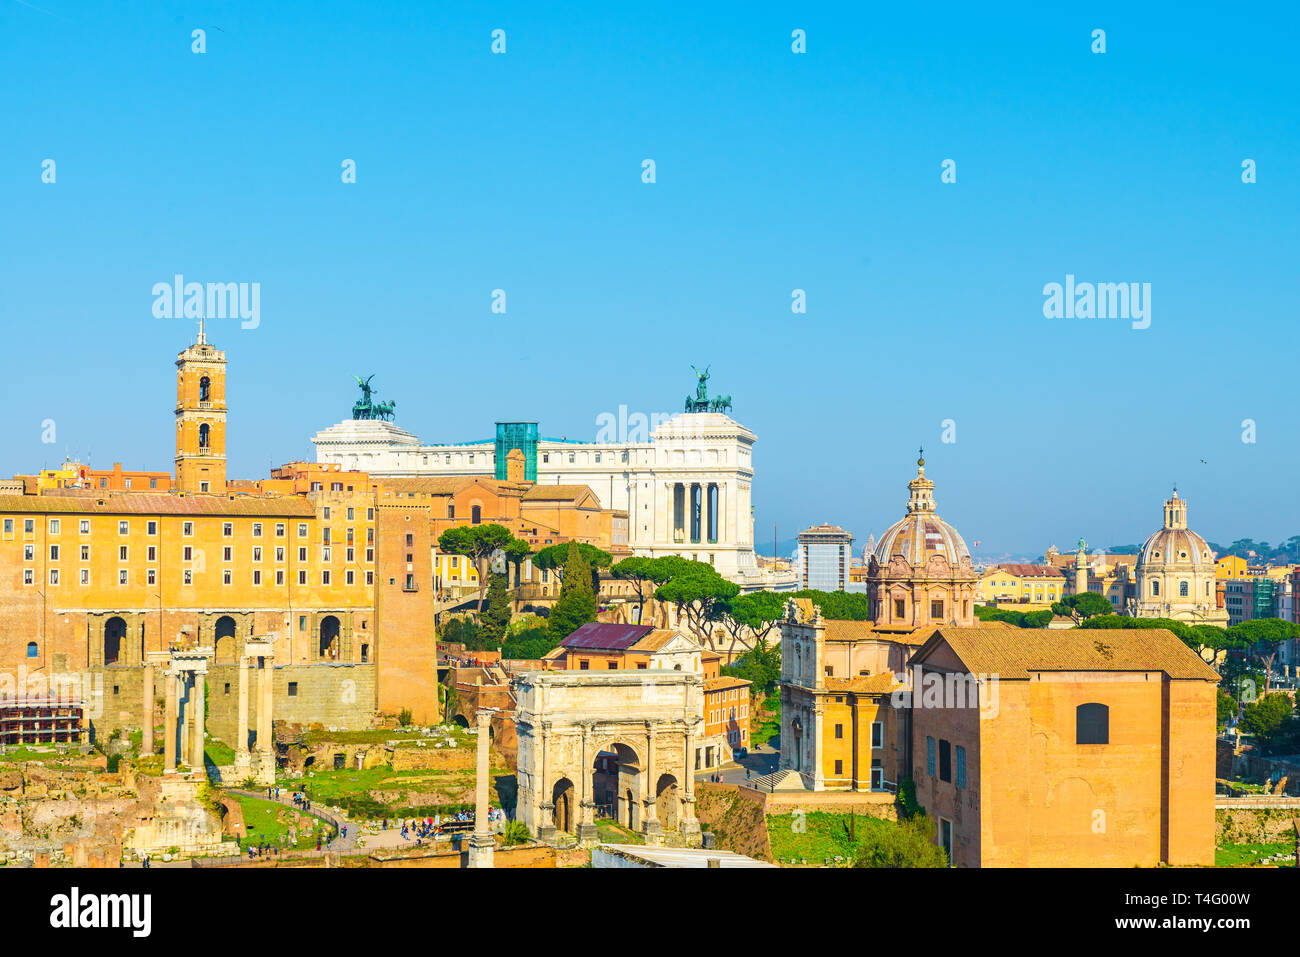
pixel 921 533
pixel 1175 546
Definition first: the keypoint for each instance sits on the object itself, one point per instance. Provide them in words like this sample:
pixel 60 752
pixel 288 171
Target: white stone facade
pixel 687 491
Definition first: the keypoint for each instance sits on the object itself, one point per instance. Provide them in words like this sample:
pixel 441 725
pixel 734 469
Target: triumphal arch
pixel 616 744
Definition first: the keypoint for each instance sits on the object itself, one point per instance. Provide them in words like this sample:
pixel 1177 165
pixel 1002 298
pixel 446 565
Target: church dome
pixel 921 534
pixel 1175 543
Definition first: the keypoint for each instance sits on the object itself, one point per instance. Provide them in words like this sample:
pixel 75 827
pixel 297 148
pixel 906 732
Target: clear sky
pixel 775 171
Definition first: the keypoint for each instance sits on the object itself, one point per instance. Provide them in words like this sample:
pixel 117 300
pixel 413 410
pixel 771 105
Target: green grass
pixel 270 822
pixel 1234 855
pixel 819 836
pixel 394 787
pixel 614 833
pixel 764 722
pixel 218 752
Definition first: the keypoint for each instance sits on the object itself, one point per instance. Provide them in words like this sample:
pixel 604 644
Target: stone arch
pixel 223 640
pixel 114 640
pixel 460 721
pixel 667 801
pixel 562 799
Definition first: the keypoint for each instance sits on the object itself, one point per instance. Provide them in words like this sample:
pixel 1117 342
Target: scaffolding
pixel 521 436
pixel 41 721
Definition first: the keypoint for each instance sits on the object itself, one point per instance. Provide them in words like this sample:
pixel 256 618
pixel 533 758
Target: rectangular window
pixel 839 768
pixel 936 609
pixel 839 731
pixel 351 513
pixel 151 577
pixel 945 761
pixel 85 553
pixel 257 529
pixel 9 526
pixel 279 576
pixel 302 529
pixel 225 576
pixel 121 553
pixel 227 529
pixel 370 578
pixel 293 689
pixel 877 734
pixel 85 576
pixel 27 576
pixel 124 528
pixel 54 526
pixel 187 553
pixel 325 577
pixel 257 553
pixel 961 766
pixel 54 576
pixel 188 578
pixel 29 553
pixel 929 756
pixel 187 528
pixel 121 576
pixel 257 576
pixel 227 554
pixel 279 553
pixel 54 553
pixel 899 608
pixel 302 576
pixel 279 529
pixel 349 578
pixel 152 552
pixel 151 528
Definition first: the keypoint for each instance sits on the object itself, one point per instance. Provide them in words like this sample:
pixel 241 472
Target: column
pixel 241 741
pixel 586 806
pixel 197 700
pixel 146 737
pixel 183 732
pixel 819 780
pixel 264 706
pixel 688 824
pixel 482 844
pixel 169 723
pixel 650 823
pixel 546 829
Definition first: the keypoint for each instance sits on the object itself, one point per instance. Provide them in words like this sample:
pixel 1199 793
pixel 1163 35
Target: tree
pixel 555 559
pixel 495 619
pixel 757 612
pixel 760 666
pixel 904 844
pixel 1084 605
pixel 477 543
pixel 643 573
pixel 696 589
pixel 839 605
pixel 516 551
pixel 1264 718
pixel 1225 706
pixel 577 602
pixel 1262 637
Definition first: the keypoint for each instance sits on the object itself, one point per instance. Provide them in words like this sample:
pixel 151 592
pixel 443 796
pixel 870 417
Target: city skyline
pixel 776 172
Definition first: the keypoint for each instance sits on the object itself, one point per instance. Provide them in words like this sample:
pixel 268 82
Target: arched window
pixel 32 650
pixel 1092 724
pixel 475 514
pixel 1182 589
pixel 451 509
pixel 205 389
pixel 203 435
pixel 1155 586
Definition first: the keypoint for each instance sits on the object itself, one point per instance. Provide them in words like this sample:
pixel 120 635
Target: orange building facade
pixel 1090 748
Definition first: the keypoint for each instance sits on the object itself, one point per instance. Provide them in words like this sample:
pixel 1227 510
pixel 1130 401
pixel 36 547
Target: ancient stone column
pixel 146 736
pixel 196 757
pixel 169 723
pixel 587 806
pixel 241 740
pixel 183 732
pixel 482 844
pixel 264 706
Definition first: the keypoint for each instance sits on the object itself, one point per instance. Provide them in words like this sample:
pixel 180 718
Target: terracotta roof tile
pixel 1015 653
pixel 882 683
pixel 158 503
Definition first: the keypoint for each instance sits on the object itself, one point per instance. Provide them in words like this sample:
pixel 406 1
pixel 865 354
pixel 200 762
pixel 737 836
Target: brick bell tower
pixel 201 418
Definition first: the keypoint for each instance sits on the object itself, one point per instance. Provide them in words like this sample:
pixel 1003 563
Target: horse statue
pixel 721 403
pixel 383 410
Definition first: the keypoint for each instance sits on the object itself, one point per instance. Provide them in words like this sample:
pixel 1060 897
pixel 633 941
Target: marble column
pixel 241 739
pixel 651 826
pixel 688 825
pixel 482 844
pixel 146 735
pixel 586 807
pixel 169 723
pixel 196 698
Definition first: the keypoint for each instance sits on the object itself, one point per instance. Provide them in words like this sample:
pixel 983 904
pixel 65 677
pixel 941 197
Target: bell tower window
pixel 205 389
pixel 203 435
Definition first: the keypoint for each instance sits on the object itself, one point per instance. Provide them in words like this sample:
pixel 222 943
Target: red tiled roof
pixel 606 636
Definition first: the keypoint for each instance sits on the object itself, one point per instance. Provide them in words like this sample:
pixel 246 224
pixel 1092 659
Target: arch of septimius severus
pixel 619 744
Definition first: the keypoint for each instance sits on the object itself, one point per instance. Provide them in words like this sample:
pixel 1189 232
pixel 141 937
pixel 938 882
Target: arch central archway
pixel 615 783
pixel 667 802
pixel 562 799
pixel 114 634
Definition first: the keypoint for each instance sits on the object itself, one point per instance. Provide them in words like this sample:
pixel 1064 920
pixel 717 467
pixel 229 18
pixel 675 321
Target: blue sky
pixel 775 171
